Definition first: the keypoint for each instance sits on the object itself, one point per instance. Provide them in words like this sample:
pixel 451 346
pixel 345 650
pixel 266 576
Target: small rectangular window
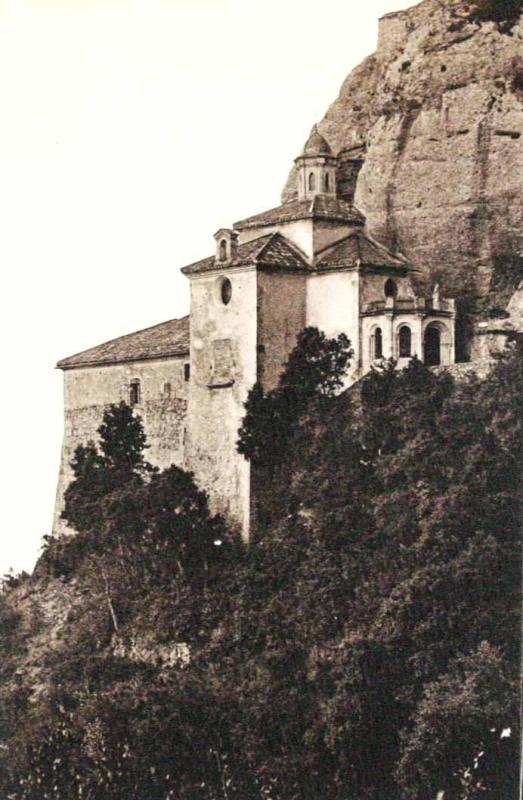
pixel 135 393
pixel 186 371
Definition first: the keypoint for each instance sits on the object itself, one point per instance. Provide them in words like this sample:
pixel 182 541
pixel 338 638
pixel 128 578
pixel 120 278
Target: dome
pixel 316 145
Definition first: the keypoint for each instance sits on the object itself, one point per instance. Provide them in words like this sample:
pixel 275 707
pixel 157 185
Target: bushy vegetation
pixel 315 370
pixel 367 645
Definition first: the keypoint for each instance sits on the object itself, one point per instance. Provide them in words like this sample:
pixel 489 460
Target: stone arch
pixel 376 343
pixel 390 288
pixel 436 344
pixel 404 341
pixel 312 182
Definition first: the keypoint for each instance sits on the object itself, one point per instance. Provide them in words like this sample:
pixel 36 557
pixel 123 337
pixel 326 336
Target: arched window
pixel 390 288
pixel 404 342
pixel 326 182
pixel 312 182
pixel 223 250
pixel 135 394
pixel 432 346
pixel 167 389
pixel 378 343
pixel 226 291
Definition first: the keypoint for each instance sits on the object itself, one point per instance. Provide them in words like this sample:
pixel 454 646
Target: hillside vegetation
pixel 365 646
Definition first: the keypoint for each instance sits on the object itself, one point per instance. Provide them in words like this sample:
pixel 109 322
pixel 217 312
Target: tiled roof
pixel 358 248
pixel 269 250
pixel 161 341
pixel 320 207
pixel 272 250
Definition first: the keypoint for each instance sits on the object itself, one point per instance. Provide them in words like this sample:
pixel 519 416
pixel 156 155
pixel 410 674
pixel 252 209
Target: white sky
pixel 130 131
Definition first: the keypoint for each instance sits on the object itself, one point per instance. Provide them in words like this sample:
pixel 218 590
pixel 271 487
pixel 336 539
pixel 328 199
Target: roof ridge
pixel 269 237
pixel 337 242
pixel 289 244
pixel 380 246
pixel 268 211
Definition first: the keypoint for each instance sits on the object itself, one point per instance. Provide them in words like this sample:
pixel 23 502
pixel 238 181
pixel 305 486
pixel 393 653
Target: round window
pixel 226 291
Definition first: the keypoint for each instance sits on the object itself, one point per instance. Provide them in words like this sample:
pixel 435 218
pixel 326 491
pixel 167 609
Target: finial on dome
pixel 316 144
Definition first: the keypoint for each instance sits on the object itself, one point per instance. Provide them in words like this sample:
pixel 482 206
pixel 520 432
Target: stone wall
pixel 333 307
pixel 88 391
pixel 223 369
pixel 281 316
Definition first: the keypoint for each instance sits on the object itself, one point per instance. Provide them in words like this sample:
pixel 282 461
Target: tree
pixel 316 365
pixel 462 741
pixel 139 530
pixel 98 471
pixel 315 369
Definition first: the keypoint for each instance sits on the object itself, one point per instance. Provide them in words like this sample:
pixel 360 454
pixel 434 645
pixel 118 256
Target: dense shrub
pixel 366 646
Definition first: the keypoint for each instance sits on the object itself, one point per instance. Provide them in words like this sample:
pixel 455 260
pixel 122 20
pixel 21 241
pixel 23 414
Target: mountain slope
pixel 440 109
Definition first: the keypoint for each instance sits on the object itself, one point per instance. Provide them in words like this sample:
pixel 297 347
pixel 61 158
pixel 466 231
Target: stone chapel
pixel 310 261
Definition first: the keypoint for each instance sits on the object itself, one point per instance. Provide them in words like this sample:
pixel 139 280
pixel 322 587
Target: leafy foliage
pixel 97 472
pixel 367 645
pixel 315 368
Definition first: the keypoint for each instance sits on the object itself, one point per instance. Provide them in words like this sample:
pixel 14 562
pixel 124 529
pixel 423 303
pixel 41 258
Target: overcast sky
pixel 130 131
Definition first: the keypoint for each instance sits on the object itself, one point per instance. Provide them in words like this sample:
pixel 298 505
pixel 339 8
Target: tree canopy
pixel 315 368
pixel 366 645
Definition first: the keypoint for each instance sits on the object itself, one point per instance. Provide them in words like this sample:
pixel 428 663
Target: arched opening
pixel 223 250
pixel 376 344
pixel 326 182
pixel 390 288
pixel 404 342
pixel 226 291
pixel 432 345
pixel 312 182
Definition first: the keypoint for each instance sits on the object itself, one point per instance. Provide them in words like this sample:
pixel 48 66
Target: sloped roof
pixel 357 248
pixel 320 207
pixel 160 341
pixel 269 250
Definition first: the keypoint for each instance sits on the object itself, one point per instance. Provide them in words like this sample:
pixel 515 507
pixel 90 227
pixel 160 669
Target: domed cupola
pixel 316 168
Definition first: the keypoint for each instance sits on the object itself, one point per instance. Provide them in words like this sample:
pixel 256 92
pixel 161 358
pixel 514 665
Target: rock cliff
pixel 439 108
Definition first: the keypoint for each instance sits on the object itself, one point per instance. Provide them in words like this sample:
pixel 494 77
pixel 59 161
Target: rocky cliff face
pixel 439 107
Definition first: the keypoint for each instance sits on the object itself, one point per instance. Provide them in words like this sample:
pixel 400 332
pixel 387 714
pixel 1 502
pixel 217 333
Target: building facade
pixel 309 261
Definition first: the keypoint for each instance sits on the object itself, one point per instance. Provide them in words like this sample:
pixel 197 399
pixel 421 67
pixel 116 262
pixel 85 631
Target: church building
pixel 307 262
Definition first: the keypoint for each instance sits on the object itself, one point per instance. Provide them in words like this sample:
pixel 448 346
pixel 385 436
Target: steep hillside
pixel 376 620
pixel 439 107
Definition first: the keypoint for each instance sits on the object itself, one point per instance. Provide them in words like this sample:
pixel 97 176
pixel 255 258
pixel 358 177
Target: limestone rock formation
pixel 439 108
